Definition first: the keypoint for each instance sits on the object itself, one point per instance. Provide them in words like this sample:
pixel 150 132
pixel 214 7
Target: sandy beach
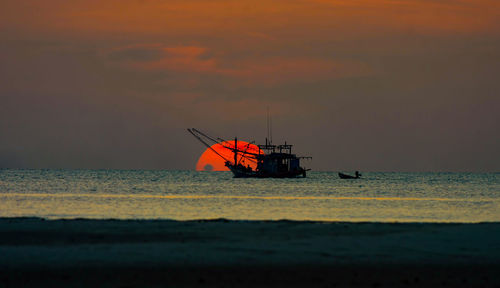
pixel 222 253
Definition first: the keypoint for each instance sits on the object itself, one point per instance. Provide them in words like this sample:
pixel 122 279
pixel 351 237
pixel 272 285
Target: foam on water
pixel 182 195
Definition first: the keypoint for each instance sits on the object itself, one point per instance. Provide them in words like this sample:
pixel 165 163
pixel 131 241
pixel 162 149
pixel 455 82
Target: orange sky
pixel 125 74
pixel 244 40
pixel 262 19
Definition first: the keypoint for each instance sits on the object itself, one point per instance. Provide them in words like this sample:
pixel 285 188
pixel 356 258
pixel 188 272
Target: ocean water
pixel 185 195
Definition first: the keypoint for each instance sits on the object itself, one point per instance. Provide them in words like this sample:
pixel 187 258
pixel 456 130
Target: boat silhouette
pixel 346 176
pixel 272 161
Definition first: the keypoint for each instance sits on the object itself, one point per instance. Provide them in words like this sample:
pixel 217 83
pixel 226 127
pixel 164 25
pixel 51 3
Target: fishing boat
pixel 272 161
pixel 357 175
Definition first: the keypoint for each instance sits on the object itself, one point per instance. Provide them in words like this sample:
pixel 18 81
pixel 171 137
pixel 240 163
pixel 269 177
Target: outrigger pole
pixel 206 136
pixel 195 133
pixel 202 137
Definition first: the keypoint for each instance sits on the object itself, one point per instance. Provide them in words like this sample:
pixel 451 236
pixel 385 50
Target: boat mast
pixel 269 128
pixel 235 151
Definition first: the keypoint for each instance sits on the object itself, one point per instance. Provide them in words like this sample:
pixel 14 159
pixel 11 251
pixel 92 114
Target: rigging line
pixel 252 157
pixel 241 158
pixel 205 143
pixel 240 151
pixel 205 135
pixel 247 155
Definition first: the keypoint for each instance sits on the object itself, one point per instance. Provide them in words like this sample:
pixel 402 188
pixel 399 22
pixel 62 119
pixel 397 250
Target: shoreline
pixel 221 252
pixel 256 220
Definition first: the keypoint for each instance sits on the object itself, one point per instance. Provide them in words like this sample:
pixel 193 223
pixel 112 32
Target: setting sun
pixel 210 161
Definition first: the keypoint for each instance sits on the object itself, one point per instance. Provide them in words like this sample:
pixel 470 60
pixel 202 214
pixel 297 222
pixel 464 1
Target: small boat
pixel 346 176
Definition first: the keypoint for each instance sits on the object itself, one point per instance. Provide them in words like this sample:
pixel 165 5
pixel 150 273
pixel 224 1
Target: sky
pixel 370 85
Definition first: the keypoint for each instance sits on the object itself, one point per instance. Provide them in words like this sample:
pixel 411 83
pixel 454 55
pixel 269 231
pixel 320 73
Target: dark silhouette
pixel 346 176
pixel 275 161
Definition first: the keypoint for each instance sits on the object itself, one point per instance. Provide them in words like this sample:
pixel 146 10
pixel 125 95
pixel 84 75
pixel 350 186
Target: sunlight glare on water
pixel 183 195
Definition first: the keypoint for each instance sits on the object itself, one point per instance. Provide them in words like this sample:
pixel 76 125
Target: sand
pixel 220 253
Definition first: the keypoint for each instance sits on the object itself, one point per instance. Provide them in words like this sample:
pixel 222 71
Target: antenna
pixel 267 136
pixel 269 127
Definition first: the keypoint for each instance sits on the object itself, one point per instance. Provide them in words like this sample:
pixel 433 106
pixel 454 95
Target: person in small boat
pixel 357 174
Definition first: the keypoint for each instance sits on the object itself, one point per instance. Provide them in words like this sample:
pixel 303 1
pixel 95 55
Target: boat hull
pixel 239 172
pixel 345 176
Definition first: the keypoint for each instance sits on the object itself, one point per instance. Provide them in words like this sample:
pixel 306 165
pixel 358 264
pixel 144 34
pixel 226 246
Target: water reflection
pixel 421 197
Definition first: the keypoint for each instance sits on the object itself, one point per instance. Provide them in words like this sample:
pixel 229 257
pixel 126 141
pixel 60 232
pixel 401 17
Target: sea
pixel 193 195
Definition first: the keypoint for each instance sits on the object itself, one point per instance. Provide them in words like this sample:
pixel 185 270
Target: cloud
pixel 135 53
pixel 271 71
pixel 181 59
pixel 197 61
